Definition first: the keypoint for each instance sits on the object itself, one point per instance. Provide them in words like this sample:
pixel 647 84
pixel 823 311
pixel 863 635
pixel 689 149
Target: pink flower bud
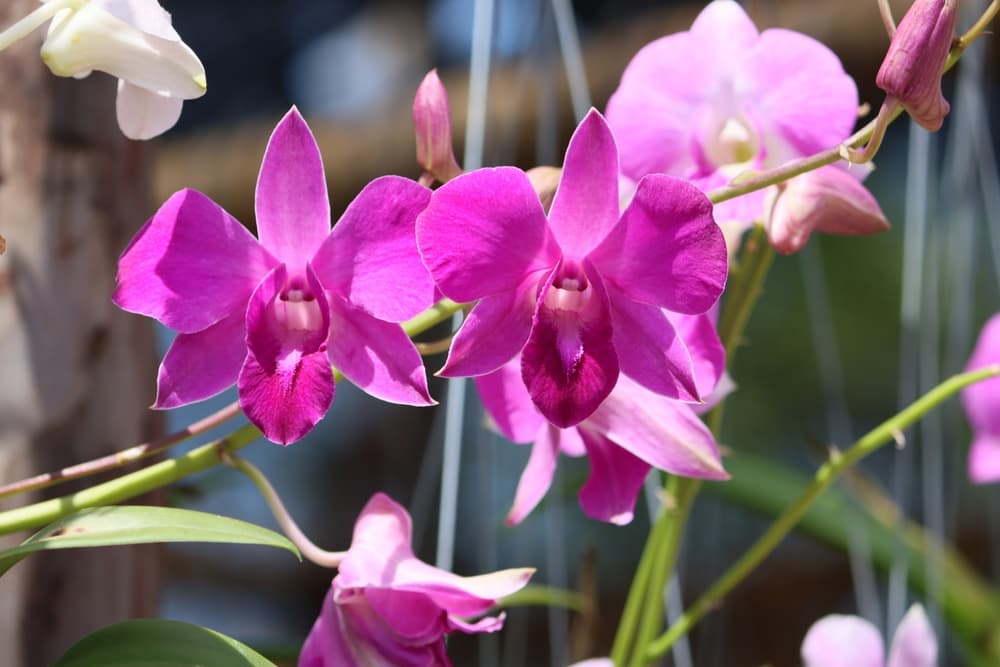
pixel 432 122
pixel 828 200
pixel 911 71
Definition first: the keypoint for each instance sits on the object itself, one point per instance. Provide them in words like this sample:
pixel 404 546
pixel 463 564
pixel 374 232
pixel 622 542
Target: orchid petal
pixel 984 458
pixel 843 641
pixel 375 355
pixel 146 15
pixel 708 356
pixel 651 352
pixel 143 114
pixel 411 615
pixel 724 32
pixel 571 443
pixel 373 637
pixel 616 477
pixel 537 476
pixel 485 624
pixel 667 250
pixel 202 364
pixel 483 232
pixel 494 331
pixel 191 265
pixel 664 433
pixel 914 644
pixel 374 245
pixel 982 399
pixel 327 645
pixel 293 210
pixel 569 363
pixel 586 202
pixel 508 403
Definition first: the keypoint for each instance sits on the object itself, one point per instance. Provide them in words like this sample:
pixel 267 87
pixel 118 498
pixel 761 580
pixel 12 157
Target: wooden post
pixel 76 374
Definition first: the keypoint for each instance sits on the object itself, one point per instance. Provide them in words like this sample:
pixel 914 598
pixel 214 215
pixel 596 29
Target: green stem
pixel 825 476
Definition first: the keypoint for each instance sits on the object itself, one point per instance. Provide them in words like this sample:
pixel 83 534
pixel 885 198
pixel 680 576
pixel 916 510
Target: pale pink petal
pixel 843 641
pixel 191 265
pixel 146 15
pixel 494 331
pixel 594 662
pixel 202 364
pixel 483 232
pixel 798 92
pixel 650 351
pixel 293 210
pixel 664 433
pixel 571 443
pixel 508 403
pixel 723 32
pixel 485 624
pixel 667 250
pixel 984 458
pixel 375 355
pixel 914 644
pixel 370 258
pixel 144 114
pixel 586 202
pixel 702 340
pixel 569 363
pixel 982 399
pixel 537 476
pixel 616 477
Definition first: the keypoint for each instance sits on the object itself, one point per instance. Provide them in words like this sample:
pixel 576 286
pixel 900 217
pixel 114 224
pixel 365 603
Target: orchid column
pixel 75 369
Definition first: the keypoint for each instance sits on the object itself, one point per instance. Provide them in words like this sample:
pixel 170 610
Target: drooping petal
pixel 667 250
pixel 483 232
pixel 143 114
pixel 843 641
pixel 90 38
pixel 370 258
pixel 537 476
pixel 984 458
pixel 286 383
pixel 508 403
pixel 702 341
pixel 202 364
pixel 413 616
pixel 799 93
pixel 569 363
pixel 662 432
pixel 650 351
pixel 485 624
pixel 293 210
pixel 326 645
pixel 616 477
pixel 914 644
pixel 494 331
pixel 586 202
pixel 191 265
pixel 375 355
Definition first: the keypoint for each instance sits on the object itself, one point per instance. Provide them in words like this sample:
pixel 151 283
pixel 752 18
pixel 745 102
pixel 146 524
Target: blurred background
pixel 845 332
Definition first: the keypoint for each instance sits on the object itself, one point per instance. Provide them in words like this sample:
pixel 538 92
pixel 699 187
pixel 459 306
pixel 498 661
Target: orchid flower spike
pixel 828 200
pixel 386 607
pixel 129 39
pixel 982 406
pixel 632 431
pixel 850 641
pixel 579 292
pixel 272 315
pixel 432 123
pixel 750 101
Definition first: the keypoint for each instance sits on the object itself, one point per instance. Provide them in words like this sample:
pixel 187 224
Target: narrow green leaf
pixel 139 524
pixel 159 643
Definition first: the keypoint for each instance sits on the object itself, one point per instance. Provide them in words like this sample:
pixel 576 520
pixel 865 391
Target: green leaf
pixel 159 643
pixel 139 524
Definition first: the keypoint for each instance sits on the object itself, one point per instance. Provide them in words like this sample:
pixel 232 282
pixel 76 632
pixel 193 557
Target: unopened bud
pixel 828 200
pixel 432 122
pixel 911 71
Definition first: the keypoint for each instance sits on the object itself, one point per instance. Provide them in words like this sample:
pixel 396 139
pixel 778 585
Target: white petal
pixel 842 641
pixel 143 114
pixel 146 15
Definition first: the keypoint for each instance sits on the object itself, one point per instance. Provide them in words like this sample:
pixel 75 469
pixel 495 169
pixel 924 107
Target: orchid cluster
pixel 590 293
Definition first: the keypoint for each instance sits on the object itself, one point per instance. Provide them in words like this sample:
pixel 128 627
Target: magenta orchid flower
pixel 749 101
pixel 850 641
pixel 272 315
pixel 578 293
pixel 982 406
pixel 386 607
pixel 632 431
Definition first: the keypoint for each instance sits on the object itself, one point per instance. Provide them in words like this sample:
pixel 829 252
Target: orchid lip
pixel 297 310
pixel 734 143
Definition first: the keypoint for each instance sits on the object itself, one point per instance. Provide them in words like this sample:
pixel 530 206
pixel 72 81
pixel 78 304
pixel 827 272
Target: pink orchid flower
pixel 272 315
pixel 723 98
pixel 578 293
pixel 386 607
pixel 850 641
pixel 982 406
pixel 633 430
